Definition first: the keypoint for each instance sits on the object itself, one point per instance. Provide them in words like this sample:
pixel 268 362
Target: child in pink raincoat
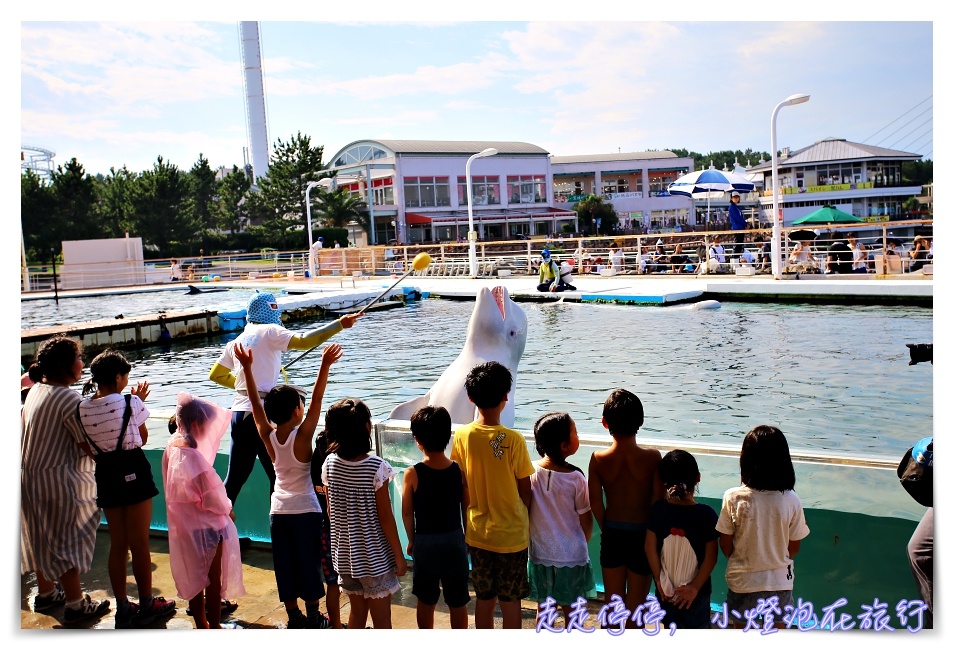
pixel 204 550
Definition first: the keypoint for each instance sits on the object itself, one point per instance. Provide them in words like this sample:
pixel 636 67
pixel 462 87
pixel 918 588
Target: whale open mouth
pixel 500 296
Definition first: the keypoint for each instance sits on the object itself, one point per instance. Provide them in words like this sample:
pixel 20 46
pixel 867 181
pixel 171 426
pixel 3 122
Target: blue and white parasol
pixel 707 181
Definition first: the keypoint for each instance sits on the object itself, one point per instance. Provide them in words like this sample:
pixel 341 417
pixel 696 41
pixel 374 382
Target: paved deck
pixel 258 609
pixel 653 289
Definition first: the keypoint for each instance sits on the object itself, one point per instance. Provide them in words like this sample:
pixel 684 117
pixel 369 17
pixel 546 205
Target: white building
pixel 635 183
pixel 418 189
pixel 859 179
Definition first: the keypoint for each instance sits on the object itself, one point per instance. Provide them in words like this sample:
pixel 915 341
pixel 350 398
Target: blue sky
pixel 115 93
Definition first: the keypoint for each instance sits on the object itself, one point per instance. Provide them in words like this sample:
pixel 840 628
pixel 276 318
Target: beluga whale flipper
pixel 497 332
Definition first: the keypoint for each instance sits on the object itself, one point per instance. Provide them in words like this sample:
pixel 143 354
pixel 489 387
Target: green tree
pixel 75 210
pixel 280 205
pixel 115 205
pixel 592 208
pixel 723 159
pixel 230 211
pixel 40 232
pixel 202 190
pixel 336 209
pixel 918 172
pixel 158 201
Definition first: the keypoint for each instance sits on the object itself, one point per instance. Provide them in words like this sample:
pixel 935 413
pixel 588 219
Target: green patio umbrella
pixel 826 215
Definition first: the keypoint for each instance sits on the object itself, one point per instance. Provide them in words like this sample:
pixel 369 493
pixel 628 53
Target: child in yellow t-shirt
pixel 497 466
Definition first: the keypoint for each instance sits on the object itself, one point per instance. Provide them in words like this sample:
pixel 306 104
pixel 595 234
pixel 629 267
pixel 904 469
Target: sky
pixel 123 93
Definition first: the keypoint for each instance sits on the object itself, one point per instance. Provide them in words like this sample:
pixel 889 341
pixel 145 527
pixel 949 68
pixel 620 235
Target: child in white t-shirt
pixel 561 521
pixel 762 524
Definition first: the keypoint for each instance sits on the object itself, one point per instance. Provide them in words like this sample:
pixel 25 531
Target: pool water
pixel 833 378
pixel 47 313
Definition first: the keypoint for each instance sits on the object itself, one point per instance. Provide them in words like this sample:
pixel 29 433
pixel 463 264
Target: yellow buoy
pixel 421 262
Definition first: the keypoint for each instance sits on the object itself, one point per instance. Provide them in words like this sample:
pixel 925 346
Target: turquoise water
pixel 833 378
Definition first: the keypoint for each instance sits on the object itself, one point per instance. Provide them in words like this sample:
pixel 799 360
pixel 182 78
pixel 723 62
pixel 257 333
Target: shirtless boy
pixel 624 484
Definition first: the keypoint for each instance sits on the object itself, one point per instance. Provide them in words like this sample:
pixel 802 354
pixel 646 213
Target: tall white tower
pixel 256 122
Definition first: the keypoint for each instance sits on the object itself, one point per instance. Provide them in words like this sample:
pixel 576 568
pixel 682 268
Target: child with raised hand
pixel 294 516
pixel 682 544
pixel 434 501
pixel 561 521
pixel 366 549
pixel 625 474
pixel 761 524
pixel 204 553
pixel 115 428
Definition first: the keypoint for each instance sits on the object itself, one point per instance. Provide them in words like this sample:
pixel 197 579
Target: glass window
pixel 526 189
pixel 486 190
pixel 412 193
pixel 426 192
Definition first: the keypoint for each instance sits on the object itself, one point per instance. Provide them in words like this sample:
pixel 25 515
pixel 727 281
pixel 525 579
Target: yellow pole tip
pixel 421 261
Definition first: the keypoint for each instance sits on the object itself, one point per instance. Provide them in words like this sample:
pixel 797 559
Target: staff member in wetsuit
pixel 267 338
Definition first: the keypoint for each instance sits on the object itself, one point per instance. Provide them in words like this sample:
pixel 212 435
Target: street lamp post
pixel 798 98
pixel 311 254
pixel 471 233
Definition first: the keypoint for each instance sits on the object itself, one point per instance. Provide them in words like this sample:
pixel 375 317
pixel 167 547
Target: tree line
pixel 178 212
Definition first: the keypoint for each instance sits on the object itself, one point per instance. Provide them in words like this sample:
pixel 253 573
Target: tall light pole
pixel 471 233
pixel 311 254
pixel 798 98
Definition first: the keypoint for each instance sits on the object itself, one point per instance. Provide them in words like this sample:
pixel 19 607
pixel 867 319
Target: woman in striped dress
pixel 366 549
pixel 58 512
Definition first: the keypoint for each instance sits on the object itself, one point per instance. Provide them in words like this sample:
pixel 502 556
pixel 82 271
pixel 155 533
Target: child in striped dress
pixel 366 549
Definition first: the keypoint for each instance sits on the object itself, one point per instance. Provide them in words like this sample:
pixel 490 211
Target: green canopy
pixel 825 215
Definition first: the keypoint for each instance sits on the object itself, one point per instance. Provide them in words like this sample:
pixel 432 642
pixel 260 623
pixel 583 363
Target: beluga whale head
pixel 497 331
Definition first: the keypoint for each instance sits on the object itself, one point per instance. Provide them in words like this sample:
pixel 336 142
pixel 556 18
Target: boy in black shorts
pixel 626 475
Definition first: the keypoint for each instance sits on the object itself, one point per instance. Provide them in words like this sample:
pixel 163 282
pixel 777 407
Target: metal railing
pixel 590 254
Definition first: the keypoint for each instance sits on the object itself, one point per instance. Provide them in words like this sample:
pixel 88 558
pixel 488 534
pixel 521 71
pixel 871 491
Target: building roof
pixel 612 157
pixel 833 150
pixel 467 147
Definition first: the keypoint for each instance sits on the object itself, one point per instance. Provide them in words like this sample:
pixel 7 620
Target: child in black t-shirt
pixel 434 501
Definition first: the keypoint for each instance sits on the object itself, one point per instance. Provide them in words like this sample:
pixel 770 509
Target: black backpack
pixel 916 472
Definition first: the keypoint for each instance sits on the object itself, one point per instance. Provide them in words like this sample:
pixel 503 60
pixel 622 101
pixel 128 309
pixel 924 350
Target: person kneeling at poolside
pixel 550 279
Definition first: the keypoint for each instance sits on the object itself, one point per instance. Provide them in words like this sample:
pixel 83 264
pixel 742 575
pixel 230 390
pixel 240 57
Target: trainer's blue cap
pixel 545 253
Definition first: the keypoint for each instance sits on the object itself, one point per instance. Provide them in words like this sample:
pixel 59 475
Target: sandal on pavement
pixel 228 606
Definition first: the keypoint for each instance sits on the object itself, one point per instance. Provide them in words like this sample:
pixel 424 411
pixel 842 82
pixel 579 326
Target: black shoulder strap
pixel 127 414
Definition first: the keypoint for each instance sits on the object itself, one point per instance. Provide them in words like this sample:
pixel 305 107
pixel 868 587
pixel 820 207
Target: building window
pixel 526 189
pixel 615 185
pixel 426 191
pixel 659 182
pixel 486 190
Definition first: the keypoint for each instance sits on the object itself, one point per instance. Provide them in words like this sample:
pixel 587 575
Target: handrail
pixel 518 256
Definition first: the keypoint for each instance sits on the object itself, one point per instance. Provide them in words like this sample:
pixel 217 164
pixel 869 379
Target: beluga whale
pixel 497 331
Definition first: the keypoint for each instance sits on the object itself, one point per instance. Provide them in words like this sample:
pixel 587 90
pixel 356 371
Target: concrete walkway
pixel 913 288
pixel 258 609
